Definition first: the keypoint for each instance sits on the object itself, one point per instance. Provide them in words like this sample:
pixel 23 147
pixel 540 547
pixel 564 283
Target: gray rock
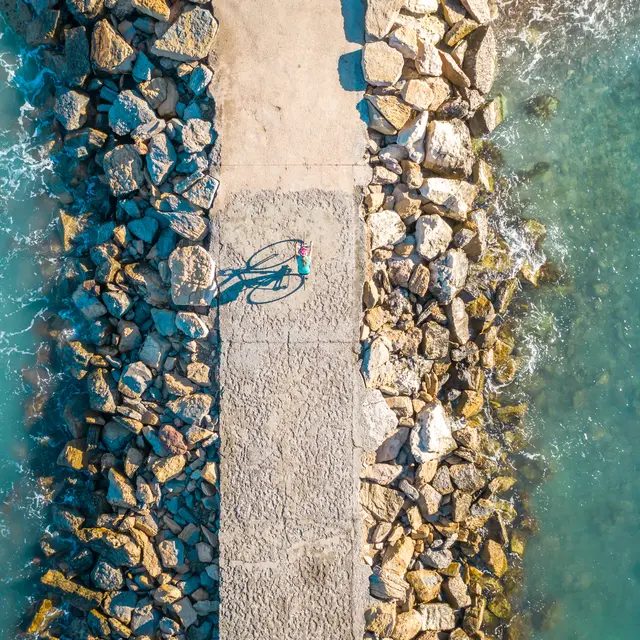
pixel 171 552
pixel 87 301
pixel 120 493
pixel 102 391
pixel 478 9
pixel 117 548
pixel 378 419
pixel 143 68
pixel 481 59
pixel 467 477
pixel 381 16
pixel 383 474
pixel 193 276
pixel 157 9
pixel 199 79
pixel 448 149
pixel 123 167
pixel 184 610
pixel 128 112
pixel 189 38
pixel 154 350
pixel 196 135
pixel 433 236
pixel 187 225
pixel 448 275
pixel 453 197
pixel 161 158
pixel 435 343
pixel 144 228
pixel 165 321
pixel 386 228
pixel 145 621
pixel 117 302
pixel 191 325
pixel 428 499
pixel 437 558
pixel 76 56
pixel 70 108
pixel 437 617
pixel 431 438
pixel 458 321
pixel 202 193
pixel 135 379
pixel 106 577
pixel 192 408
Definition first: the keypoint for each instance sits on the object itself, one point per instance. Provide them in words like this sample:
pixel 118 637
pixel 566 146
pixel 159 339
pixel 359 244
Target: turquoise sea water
pixel 26 261
pixel 582 337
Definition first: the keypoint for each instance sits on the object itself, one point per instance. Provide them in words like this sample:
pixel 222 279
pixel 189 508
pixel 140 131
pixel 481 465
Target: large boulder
pixel 381 16
pixel 437 617
pixel 454 198
pixel 378 419
pixel 431 438
pixel 123 167
pixel 433 236
pixel 383 503
pixel 481 59
pixel 382 65
pixel 193 276
pixel 161 158
pixel 448 275
pixel 387 228
pixel 75 594
pixel 448 149
pixel 128 112
pixel 479 10
pixel 110 52
pixel 70 108
pixel 189 38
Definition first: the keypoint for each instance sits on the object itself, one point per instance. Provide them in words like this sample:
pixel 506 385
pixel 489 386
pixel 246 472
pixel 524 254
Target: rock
pixel 202 193
pixel 421 6
pixel 382 65
pixel 380 619
pixel 172 440
pixel 478 9
pixel 405 40
pixel 86 300
pixel 458 321
pixel 185 611
pixel 436 341
pixel 396 112
pixel 196 135
pixel 144 228
pixel 381 502
pixel 70 108
pixel 187 225
pixel 191 325
pixel 437 558
pixel 157 9
pixel 448 275
pixel 128 112
pixel 456 592
pixel 453 197
pixel 453 10
pixel 116 548
pixel 167 468
pixel 411 137
pixel 200 79
pixel 452 71
pixel 106 577
pixel 433 236
pixel 193 274
pixel 431 438
pixel 117 302
pixel 487 118
pixel 381 16
pixel 400 269
pixel 458 31
pixel 74 455
pixel 481 59
pixel 75 594
pixel 418 94
pixel 110 53
pixel 166 594
pixel 408 625
pixel 386 585
pixel 437 617
pixel 467 478
pixel 145 621
pixel 135 380
pixel 448 149
pixel 419 281
pixel 123 167
pixel 171 552
pixel 193 408
pixel 397 557
pixel 189 38
pixel 383 474
pixel 378 419
pixel 495 558
pixel 428 499
pixel 543 106
pixel 102 391
pixel 121 605
pixel 428 62
pixel 120 493
pixel 392 445
pixel 386 228
pixel 425 583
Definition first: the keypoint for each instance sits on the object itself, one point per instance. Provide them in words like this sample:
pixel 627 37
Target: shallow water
pixel 582 337
pixel 26 222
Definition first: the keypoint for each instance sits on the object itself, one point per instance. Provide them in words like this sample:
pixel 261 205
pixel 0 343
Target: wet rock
pixel 110 52
pixel 448 149
pixel 189 38
pixel 75 594
pixel 437 617
pixel 74 455
pixel 425 583
pixel 431 438
pixel 448 275
pixel 481 59
pixel 495 558
pixel 382 65
pixel 543 106
pixel 76 56
pixel 123 167
pixel 381 502
pixel 128 112
pixel 70 108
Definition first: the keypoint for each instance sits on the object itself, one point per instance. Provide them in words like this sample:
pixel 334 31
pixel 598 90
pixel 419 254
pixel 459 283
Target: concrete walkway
pixel 292 144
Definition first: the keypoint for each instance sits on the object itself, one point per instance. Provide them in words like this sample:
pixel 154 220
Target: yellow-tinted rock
pixel 495 558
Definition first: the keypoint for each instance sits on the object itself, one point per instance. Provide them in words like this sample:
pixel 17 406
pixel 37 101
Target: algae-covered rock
pixel 543 106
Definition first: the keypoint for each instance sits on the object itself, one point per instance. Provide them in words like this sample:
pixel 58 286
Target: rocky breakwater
pixel 132 549
pixel 440 279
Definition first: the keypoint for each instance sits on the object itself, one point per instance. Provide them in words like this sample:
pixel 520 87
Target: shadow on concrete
pixel 269 275
pixel 350 64
pixel 353 15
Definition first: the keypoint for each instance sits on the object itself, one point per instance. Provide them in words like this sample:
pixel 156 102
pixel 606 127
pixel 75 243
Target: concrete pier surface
pixel 292 161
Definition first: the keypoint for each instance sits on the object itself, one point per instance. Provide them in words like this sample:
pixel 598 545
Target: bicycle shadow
pixel 269 275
